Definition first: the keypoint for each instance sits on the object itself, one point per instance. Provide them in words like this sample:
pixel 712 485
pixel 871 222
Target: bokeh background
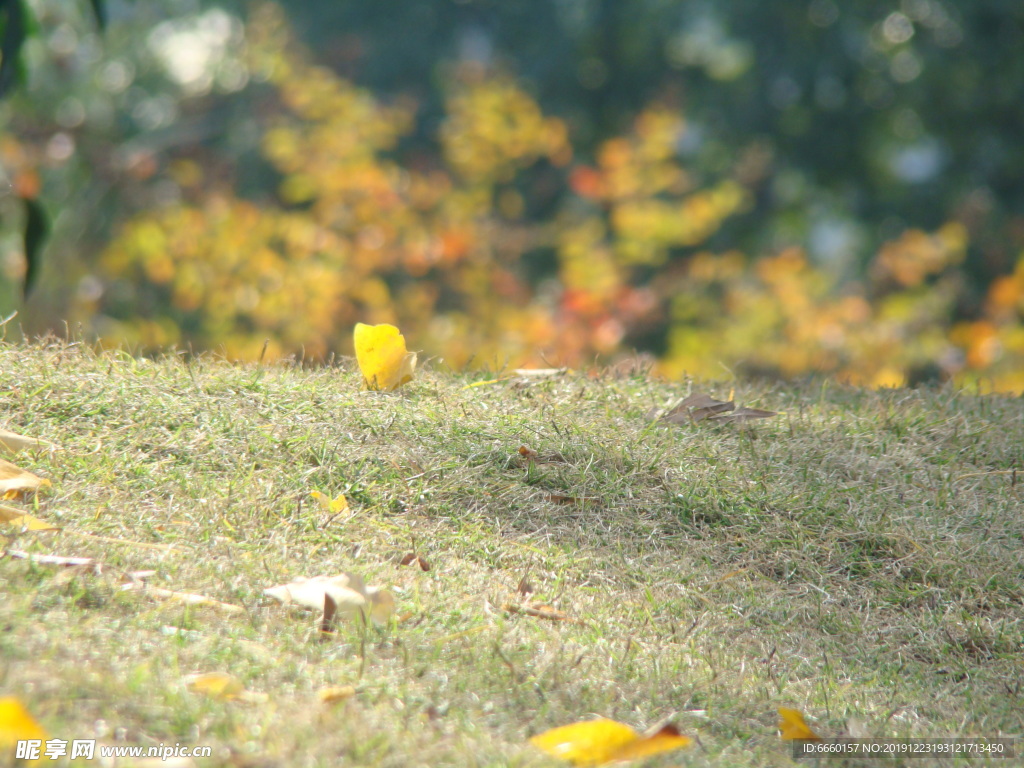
pixel 726 187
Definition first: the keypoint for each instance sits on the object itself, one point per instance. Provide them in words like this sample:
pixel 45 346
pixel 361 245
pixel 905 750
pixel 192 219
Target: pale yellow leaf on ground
pixel 15 481
pixel 383 359
pixel 335 693
pixel 600 741
pixel 15 517
pixel 347 591
pixel 793 726
pixel 338 504
pixel 16 724
pixel 217 685
pixel 12 442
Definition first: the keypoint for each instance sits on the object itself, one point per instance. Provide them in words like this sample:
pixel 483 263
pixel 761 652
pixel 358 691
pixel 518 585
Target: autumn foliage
pixel 459 253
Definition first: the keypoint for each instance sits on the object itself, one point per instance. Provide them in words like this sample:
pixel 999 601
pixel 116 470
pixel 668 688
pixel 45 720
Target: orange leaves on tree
pixel 383 359
pixel 600 741
pixel 443 248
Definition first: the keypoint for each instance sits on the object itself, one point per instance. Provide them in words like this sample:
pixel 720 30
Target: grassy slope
pixel 859 556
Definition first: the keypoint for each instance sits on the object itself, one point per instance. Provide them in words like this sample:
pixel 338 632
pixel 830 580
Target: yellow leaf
pixel 14 516
pixel 588 743
pixel 595 742
pixel 15 481
pixel 335 693
pixel 340 504
pixel 792 726
pixel 11 442
pixel 16 724
pixel 217 685
pixel 664 740
pixel 382 357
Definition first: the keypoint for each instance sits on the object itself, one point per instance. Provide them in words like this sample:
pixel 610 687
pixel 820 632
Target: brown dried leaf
pixel 413 559
pixel 539 611
pixel 697 407
pixel 559 498
pixel 745 414
pixel 525 587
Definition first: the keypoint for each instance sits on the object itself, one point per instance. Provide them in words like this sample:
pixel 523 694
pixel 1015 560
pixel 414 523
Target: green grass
pixel 859 556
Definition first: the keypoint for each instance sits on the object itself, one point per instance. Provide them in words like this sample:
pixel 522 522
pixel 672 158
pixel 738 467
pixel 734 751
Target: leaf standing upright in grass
pixel 383 359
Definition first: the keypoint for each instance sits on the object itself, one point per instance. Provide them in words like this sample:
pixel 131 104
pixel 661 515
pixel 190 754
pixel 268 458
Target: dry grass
pixel 859 556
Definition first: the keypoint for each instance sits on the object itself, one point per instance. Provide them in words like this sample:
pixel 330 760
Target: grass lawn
pixel 860 558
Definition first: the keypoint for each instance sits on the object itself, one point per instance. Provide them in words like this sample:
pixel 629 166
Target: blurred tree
pixel 835 130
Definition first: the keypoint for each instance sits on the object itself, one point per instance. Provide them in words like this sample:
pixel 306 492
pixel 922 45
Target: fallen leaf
pixel 217 685
pixel 347 592
pixel 335 693
pixel 413 559
pixel 382 357
pixel 16 724
pixel 54 559
pixel 700 407
pixel 541 458
pixel 696 407
pixel 665 739
pixel 745 414
pixel 14 516
pixel 183 597
pixel 11 442
pixel 793 726
pixel 335 505
pixel 15 481
pixel 600 741
pixel 560 498
pixel 125 542
pixel 540 611
pixel 525 587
